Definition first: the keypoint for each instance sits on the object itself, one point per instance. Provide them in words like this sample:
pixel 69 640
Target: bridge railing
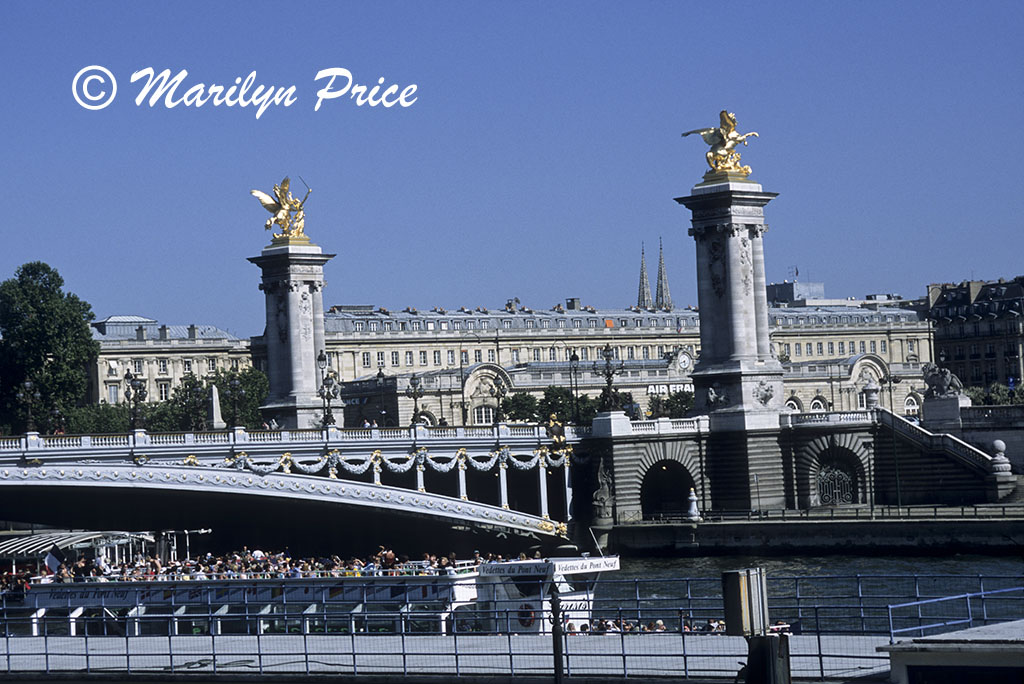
pixel 669 426
pixel 829 418
pixel 842 513
pixel 240 437
pixel 970 456
pixel 645 629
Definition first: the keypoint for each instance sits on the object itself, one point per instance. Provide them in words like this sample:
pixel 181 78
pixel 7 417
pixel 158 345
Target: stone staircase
pixel 1016 497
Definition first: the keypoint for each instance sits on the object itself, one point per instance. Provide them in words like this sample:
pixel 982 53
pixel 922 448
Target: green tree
pixel 994 395
pixel 588 407
pixel 94 419
pixel 188 403
pixel 674 405
pixel 160 417
pixel 558 400
pixel 520 406
pixel 44 338
pixel 250 392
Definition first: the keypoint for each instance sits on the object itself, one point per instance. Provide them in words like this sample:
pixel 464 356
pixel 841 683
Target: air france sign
pixel 670 388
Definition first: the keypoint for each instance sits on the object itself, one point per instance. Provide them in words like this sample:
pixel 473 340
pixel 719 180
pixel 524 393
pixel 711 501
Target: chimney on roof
pixel 163 332
pixel 140 333
pixel 572 303
pixel 192 332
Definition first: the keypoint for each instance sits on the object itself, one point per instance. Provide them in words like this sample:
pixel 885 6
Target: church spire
pixel 663 299
pixel 643 298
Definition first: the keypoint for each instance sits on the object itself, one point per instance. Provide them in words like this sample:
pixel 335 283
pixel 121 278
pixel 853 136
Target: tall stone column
pixel 737 380
pixel 293 281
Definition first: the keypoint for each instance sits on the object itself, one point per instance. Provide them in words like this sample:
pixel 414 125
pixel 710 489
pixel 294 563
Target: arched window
pixel 910 406
pixel 792 405
pixel 817 405
pixel 483 415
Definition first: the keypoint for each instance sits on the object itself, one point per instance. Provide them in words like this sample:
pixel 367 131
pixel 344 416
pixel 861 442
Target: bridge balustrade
pixel 228 460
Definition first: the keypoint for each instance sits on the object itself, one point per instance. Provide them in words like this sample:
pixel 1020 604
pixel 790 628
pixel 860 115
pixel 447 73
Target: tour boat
pixel 510 596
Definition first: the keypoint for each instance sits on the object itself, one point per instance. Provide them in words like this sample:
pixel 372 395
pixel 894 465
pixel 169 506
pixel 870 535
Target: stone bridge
pixel 504 480
pixel 828 459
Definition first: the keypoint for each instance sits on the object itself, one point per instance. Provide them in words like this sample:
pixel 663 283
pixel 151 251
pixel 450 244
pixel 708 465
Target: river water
pixel 846 592
pixel 789 566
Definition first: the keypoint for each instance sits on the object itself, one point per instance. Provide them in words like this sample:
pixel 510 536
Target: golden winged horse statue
pixel 288 212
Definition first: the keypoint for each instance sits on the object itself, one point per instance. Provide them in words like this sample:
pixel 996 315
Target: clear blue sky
pixel 543 148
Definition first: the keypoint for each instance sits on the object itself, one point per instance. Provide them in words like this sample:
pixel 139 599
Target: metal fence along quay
pixel 639 628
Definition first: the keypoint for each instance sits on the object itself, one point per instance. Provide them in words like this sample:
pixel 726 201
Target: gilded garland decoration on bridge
pixel 420 458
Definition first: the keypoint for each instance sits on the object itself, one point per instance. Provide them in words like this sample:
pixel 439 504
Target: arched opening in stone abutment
pixel 839 479
pixel 665 490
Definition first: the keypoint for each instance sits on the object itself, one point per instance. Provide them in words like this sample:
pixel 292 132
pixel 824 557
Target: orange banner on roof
pixel 609 323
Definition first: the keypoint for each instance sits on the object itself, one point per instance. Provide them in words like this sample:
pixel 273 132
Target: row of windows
pixel 530 323
pixel 163 392
pixel 974 351
pixel 863 347
pixel 820 404
pixel 425 358
pixel 162 366
pixel 975 329
pixel 836 320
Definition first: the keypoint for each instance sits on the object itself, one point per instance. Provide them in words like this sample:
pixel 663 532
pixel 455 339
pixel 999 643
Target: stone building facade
pixel 533 347
pixel 159 354
pixel 979 329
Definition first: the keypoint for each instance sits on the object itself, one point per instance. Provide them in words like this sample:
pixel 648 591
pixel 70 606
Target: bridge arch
pixel 681 460
pixel 834 470
pixel 661 488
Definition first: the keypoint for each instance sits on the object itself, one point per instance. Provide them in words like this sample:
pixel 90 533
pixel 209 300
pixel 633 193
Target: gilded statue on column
pixel 288 212
pixel 723 157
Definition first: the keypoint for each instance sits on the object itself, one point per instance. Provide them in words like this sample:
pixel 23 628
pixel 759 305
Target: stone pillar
pixel 737 379
pixel 764 347
pixel 293 281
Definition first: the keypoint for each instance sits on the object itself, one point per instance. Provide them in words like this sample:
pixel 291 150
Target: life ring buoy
pixel 527 615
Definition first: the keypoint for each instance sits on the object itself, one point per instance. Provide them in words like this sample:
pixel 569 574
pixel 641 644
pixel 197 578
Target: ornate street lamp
pixel 329 390
pixel 498 391
pixel 380 400
pixel 415 392
pixel 609 371
pixel 235 393
pixel 134 394
pixel 890 380
pixel 464 354
pixel 29 395
pixel 574 384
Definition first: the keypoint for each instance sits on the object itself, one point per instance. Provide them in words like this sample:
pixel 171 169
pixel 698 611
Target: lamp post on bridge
pixel 415 392
pixel 574 383
pixel 380 398
pixel 235 393
pixel 329 389
pixel 498 391
pixel 463 357
pixel 134 394
pixel 28 395
pixel 891 380
pixel 609 371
